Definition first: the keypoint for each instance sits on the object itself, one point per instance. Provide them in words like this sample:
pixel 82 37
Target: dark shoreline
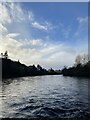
pixel 78 71
pixel 14 69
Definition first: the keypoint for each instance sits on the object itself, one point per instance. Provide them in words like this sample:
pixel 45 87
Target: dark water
pixel 45 96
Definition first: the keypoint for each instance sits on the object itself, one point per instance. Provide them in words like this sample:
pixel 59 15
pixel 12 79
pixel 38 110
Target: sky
pixel 50 34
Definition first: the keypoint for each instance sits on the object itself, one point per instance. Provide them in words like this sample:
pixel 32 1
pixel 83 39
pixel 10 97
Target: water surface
pixel 53 96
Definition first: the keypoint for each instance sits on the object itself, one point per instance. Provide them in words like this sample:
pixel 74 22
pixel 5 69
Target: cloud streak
pixel 39 26
pixel 46 26
pixel 82 27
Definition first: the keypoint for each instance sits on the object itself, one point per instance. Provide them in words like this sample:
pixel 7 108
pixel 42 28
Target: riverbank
pixel 78 71
pixel 11 69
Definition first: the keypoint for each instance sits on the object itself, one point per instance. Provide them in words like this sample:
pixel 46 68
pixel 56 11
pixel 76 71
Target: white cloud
pixel 50 56
pixel 39 26
pixel 17 51
pixel 82 26
pixel 37 42
pixel 3 28
pixel 58 55
pixel 12 35
pixel 81 20
pixel 15 11
pixel 32 43
pixel 4 14
pixel 44 26
pixel 12 11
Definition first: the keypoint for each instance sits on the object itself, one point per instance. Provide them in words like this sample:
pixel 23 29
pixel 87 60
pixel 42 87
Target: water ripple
pixel 46 97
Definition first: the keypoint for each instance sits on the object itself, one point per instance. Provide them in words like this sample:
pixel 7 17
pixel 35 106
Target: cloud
pixel 16 13
pixel 30 16
pixel 4 14
pixel 82 27
pixel 11 11
pixel 17 51
pixel 44 26
pixel 39 26
pixel 37 42
pixel 3 28
pixel 32 43
pixel 49 56
pixel 31 50
pixel 82 20
pixel 12 35
pixel 58 55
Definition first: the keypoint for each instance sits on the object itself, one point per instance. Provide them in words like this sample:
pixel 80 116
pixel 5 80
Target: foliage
pixel 81 69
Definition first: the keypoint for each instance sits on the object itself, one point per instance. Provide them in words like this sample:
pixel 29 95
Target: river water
pixel 53 96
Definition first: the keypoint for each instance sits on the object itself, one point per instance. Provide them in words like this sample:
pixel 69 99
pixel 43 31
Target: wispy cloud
pixel 15 11
pixel 32 42
pixel 12 35
pixel 82 20
pixel 30 16
pixel 4 14
pixel 46 26
pixel 82 26
pixel 37 42
pixel 11 11
pixel 3 28
pixel 39 26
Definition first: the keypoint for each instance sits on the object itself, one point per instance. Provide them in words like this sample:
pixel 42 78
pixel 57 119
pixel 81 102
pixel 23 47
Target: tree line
pixel 16 69
pixel 4 55
pixel 80 69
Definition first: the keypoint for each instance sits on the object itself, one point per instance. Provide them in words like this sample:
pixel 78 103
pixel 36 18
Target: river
pixel 53 96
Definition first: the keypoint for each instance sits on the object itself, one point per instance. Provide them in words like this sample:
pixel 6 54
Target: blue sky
pixel 49 34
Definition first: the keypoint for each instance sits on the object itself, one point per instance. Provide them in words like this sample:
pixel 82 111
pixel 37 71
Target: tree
pixel 39 67
pixel 18 61
pixel 6 55
pixel 78 60
pixel 51 70
pixel 81 59
pixel 84 59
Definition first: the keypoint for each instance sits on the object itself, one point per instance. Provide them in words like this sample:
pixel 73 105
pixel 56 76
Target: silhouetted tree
pixel 39 67
pixel 6 55
pixel 82 67
pixel 84 59
pixel 18 61
pixel 78 59
pixel 81 59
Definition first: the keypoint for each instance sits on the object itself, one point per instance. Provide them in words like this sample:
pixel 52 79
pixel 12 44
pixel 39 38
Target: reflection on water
pixel 45 96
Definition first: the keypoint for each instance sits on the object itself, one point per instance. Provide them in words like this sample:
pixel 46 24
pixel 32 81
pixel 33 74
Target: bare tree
pixel 84 59
pixel 81 59
pixel 78 60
